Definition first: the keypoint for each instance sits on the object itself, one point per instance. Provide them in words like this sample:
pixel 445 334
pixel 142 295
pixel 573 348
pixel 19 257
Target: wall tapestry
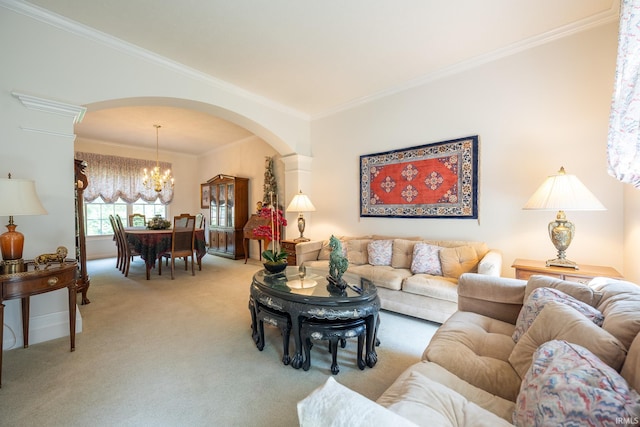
pixel 438 180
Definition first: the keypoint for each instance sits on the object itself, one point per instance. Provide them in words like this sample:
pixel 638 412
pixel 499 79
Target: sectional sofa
pixel 414 276
pixel 540 352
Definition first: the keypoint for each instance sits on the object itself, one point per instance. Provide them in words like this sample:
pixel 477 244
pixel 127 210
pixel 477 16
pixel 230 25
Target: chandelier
pixel 155 179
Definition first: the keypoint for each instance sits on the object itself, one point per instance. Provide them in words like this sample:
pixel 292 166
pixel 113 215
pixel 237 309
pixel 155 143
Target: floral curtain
pixel 113 177
pixel 624 122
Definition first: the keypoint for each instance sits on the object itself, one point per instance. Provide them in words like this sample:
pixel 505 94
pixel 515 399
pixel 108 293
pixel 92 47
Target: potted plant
pixel 275 258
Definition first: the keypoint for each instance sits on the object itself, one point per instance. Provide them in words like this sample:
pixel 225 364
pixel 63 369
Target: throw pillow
pixel 380 252
pixel 333 404
pixel 557 321
pixel 357 251
pixel 537 300
pixel 568 385
pixel 426 259
pixel 458 260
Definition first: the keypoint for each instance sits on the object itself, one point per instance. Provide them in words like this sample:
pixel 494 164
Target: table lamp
pixel 19 197
pixel 301 203
pixel 563 192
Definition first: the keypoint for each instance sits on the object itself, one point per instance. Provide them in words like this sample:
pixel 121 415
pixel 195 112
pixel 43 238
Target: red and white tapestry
pixel 438 180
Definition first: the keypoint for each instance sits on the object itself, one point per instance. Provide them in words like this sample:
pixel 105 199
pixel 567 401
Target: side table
pixel 526 268
pixel 289 246
pixel 34 282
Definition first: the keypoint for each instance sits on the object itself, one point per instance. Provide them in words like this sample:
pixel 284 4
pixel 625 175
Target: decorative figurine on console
pixel 48 259
pixel 338 264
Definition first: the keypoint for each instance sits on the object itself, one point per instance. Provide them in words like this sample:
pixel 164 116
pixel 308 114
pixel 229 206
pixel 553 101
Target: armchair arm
pixel 308 251
pixel 500 298
pixel 491 263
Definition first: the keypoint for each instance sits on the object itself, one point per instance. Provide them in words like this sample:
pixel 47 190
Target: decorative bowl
pixel 275 267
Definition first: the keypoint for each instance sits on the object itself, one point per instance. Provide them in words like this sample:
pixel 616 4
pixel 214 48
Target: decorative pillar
pixel 297 177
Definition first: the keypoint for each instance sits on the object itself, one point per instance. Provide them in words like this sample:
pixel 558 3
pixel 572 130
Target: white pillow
pixel 380 252
pixel 334 405
pixel 426 259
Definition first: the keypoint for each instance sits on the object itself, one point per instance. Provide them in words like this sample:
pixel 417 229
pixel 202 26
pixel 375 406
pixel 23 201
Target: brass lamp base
pixel 11 266
pixel 561 232
pixel 562 262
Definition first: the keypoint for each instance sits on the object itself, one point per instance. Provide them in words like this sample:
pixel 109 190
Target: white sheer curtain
pixel 623 148
pixel 113 177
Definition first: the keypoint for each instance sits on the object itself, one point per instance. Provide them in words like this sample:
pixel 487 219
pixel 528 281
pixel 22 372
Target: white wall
pixel 534 112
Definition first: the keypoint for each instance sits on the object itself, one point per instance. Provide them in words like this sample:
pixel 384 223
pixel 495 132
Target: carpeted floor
pixel 180 353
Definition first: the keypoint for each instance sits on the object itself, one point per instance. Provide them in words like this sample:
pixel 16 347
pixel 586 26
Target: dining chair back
pixel 182 242
pixel 129 251
pixel 137 220
pixel 118 239
pixel 200 221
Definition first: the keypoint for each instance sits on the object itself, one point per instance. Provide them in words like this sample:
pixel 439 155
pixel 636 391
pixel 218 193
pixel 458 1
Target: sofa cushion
pixel 577 290
pixel 539 298
pixel 402 253
pixel 620 305
pixel 568 385
pixel 380 252
pixel 476 348
pixel 429 403
pixel 437 287
pixel 357 252
pixel 325 251
pixel 333 404
pixel 631 368
pixel 558 321
pixel 382 276
pixel 458 260
pixel 426 259
pixel 492 403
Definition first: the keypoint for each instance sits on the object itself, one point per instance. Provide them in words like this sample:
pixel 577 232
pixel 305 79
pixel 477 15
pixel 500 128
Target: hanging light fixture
pixel 155 179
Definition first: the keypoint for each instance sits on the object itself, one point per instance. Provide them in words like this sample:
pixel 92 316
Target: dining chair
pixel 137 220
pixel 182 243
pixel 200 221
pixel 118 240
pixel 129 250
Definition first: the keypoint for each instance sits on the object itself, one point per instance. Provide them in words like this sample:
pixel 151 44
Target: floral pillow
pixel 536 302
pixel 380 252
pixel 567 385
pixel 426 259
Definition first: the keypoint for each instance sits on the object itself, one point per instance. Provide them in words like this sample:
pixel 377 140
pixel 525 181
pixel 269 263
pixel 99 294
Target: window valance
pixel 113 177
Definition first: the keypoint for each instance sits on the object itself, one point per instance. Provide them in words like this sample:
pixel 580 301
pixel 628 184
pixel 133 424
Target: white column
pixel 297 177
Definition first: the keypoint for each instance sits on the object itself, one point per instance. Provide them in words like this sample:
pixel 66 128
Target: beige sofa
pixel 426 296
pixel 563 370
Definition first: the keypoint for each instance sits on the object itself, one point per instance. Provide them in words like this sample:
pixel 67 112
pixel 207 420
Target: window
pixel 97 213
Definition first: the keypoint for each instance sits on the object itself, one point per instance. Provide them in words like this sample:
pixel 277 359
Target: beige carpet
pixel 180 353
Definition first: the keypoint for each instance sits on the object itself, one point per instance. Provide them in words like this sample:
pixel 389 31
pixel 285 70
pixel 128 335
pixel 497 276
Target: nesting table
pixel 303 294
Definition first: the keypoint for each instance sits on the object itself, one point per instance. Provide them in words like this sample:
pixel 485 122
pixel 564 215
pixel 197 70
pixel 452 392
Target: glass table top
pixel 311 283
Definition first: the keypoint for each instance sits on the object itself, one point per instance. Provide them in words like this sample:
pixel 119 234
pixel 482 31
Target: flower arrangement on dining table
pixel 271 232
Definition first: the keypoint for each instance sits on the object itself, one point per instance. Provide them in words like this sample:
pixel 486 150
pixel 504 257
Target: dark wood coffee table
pixel 310 298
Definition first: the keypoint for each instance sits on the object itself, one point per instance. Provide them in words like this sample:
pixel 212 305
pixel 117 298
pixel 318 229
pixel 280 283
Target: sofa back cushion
pixel 357 252
pixel 458 260
pixel 576 290
pixel 325 251
pixel 402 253
pixel 558 321
pixel 620 304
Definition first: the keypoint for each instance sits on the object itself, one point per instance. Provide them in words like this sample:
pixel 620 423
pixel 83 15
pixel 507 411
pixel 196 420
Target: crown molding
pixel 50 106
pixel 58 21
pixel 593 21
pixel 70 136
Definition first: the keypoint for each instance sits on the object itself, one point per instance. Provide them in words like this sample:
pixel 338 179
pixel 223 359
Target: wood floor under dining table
pixel 151 244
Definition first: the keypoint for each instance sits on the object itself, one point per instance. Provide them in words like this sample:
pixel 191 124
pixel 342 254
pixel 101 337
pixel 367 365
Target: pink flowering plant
pixel 271 232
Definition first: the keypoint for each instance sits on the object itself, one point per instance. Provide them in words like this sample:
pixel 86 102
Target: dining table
pixel 151 244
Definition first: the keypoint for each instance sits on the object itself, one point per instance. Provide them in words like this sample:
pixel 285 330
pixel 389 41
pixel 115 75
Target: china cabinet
pixel 229 212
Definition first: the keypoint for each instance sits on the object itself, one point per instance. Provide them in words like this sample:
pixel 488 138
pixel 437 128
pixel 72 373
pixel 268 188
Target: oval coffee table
pixel 305 295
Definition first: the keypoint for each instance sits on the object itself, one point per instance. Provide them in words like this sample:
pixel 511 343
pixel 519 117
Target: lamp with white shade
pixel 301 203
pixel 563 192
pixel 19 197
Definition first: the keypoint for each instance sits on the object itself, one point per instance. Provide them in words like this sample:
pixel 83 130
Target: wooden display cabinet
pixel 229 212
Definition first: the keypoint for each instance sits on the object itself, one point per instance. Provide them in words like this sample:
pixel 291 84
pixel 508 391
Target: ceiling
pixel 312 57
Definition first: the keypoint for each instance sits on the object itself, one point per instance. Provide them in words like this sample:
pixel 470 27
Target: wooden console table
pixel 34 282
pixel 526 268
